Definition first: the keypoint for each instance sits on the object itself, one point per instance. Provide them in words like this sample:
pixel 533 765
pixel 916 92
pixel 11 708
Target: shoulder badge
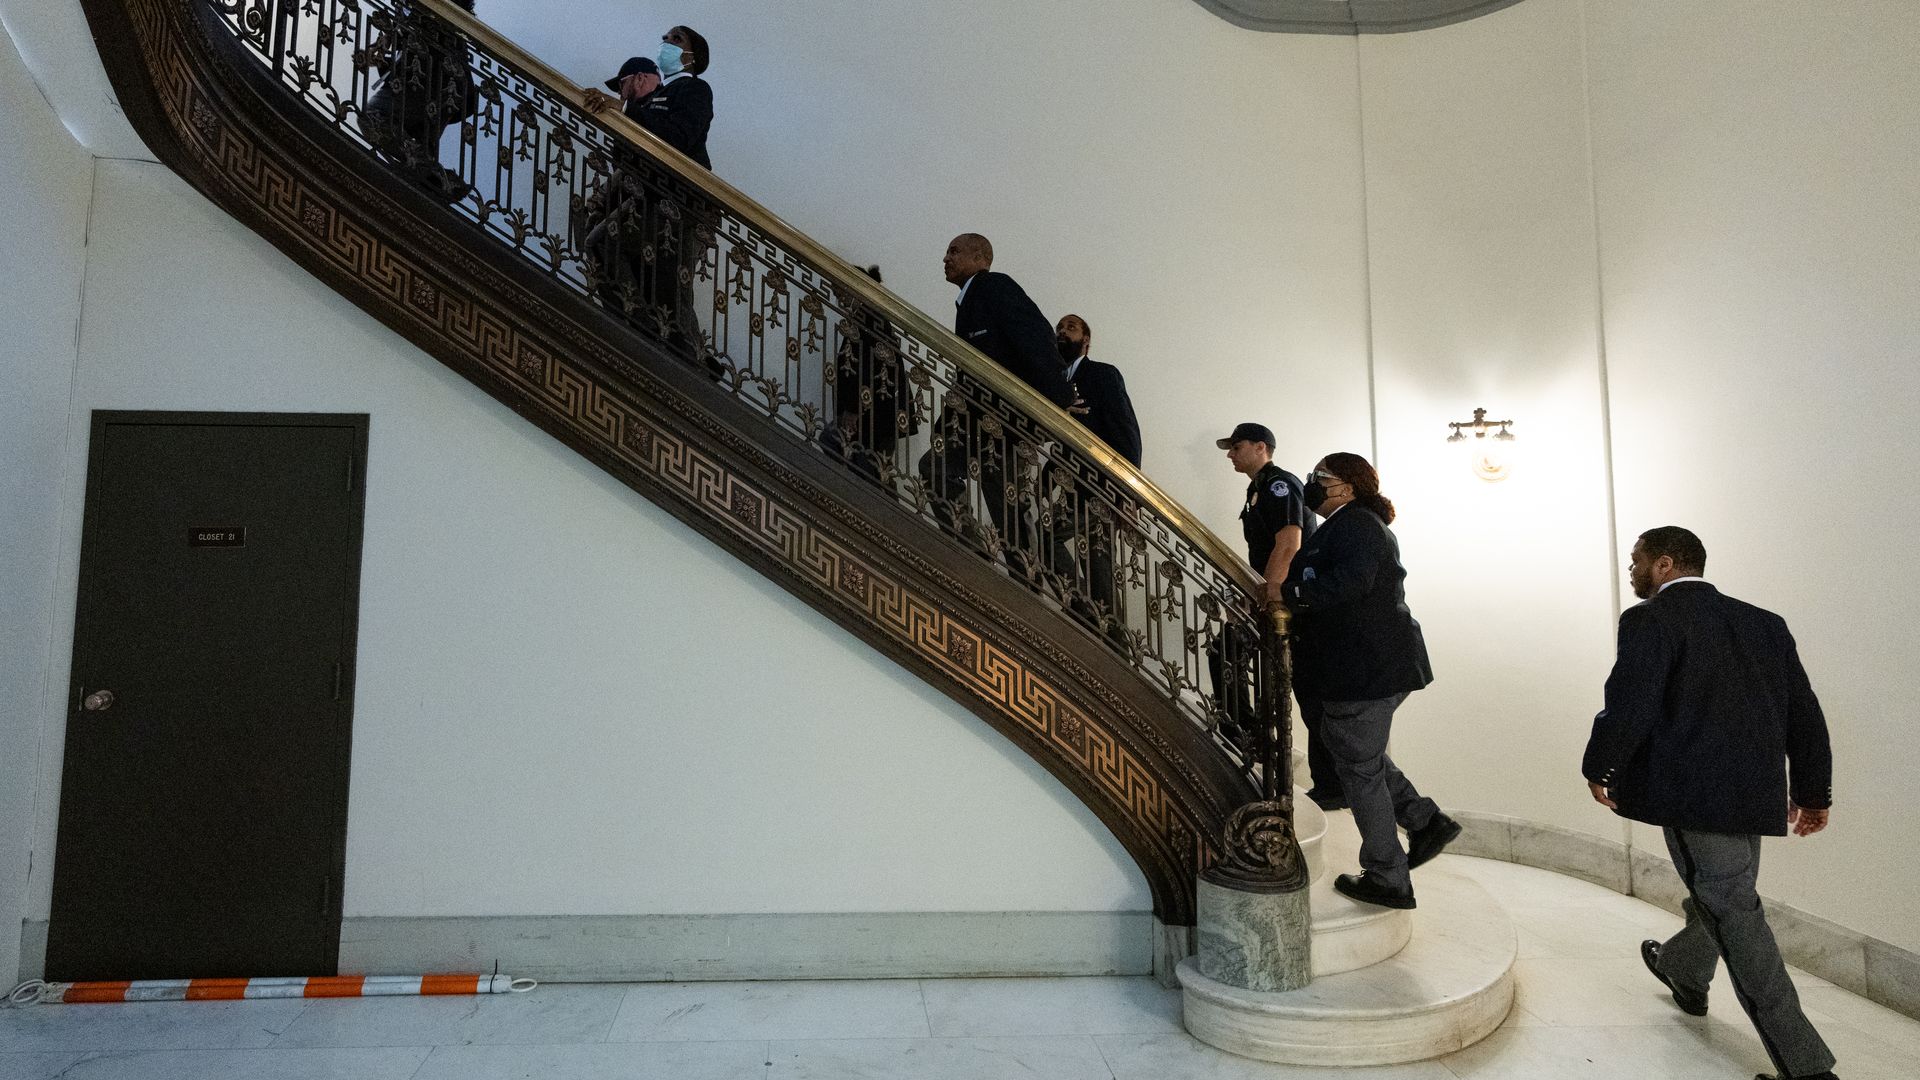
pixel 1279 489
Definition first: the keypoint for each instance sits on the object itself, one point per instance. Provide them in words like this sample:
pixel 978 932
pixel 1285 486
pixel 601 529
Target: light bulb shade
pixel 1491 462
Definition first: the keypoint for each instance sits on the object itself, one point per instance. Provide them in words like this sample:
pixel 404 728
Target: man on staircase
pixel 994 315
pixel 1081 525
pixel 1275 522
pixel 645 245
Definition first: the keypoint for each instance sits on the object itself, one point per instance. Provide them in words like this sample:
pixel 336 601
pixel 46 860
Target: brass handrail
pixel 1057 422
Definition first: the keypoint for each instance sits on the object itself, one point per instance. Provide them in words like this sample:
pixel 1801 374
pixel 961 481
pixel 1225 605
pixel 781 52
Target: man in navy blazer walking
pixel 1099 392
pixel 1081 525
pixel 1711 731
pixel 994 315
pixel 645 248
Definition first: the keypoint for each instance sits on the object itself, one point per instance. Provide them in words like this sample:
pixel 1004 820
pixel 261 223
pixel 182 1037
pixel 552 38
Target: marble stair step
pixel 1310 829
pixel 1450 986
pixel 1348 935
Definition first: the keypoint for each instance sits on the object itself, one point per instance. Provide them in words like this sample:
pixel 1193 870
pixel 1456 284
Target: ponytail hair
pixel 1356 471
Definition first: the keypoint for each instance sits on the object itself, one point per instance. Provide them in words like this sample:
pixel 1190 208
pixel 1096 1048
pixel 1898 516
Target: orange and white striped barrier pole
pixel 313 986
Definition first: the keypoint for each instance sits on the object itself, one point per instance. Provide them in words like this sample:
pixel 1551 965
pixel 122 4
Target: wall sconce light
pixel 1491 460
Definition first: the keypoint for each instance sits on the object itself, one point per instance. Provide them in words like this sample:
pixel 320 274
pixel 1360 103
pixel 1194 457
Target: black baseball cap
pixel 635 65
pixel 1250 432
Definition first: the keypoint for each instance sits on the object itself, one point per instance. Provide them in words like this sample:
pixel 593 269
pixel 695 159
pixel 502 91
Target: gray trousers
pixel 1355 733
pixel 1725 921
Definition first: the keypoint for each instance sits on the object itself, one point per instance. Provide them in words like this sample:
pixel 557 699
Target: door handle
pixel 98 701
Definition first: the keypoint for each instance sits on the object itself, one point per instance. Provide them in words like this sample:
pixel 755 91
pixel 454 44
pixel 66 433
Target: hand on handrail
pixel 596 101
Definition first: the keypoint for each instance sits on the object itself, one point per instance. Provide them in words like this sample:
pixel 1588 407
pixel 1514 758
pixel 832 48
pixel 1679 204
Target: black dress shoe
pixel 1328 800
pixel 1431 839
pixel 1690 1003
pixel 1368 889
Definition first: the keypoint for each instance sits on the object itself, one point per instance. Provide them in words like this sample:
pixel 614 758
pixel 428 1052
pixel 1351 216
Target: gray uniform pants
pixel 1381 796
pixel 1724 920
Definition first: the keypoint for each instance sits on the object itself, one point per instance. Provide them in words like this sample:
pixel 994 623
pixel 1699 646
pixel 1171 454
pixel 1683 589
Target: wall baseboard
pixel 1867 966
pixel 905 945
pixel 1171 944
pixel 676 948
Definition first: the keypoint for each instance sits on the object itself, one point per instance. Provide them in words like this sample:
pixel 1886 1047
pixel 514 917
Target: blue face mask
pixel 670 59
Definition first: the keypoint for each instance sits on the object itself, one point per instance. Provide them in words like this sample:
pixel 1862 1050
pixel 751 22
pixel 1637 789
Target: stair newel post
pixel 1254 928
pixel 1276 709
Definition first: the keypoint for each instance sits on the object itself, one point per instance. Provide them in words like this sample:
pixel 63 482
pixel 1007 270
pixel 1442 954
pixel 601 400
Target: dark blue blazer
pixel 680 112
pixel 1707 709
pixel 1109 409
pixel 1356 639
pixel 997 317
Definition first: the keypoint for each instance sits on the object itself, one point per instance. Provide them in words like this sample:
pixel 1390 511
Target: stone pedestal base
pixel 1255 941
pixel 1450 987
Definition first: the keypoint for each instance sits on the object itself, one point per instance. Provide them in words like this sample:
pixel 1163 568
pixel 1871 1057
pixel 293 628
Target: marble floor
pixel 1585 1008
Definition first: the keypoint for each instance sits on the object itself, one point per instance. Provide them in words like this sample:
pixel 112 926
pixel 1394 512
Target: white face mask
pixel 669 59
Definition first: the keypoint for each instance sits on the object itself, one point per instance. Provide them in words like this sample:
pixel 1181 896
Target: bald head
pixel 967 255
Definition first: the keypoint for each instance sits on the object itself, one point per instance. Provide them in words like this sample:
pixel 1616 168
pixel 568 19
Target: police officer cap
pixel 1250 432
pixel 635 65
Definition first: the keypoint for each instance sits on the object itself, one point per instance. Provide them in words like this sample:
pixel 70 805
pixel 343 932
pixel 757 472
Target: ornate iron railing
pixel 811 344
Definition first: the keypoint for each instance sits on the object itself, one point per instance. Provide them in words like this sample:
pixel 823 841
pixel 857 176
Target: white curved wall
pixel 1758 173
pixel 46 179
pixel 1682 240
pixel 1484 296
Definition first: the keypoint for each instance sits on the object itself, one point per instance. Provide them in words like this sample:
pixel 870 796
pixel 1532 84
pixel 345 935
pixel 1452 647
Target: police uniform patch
pixel 1279 489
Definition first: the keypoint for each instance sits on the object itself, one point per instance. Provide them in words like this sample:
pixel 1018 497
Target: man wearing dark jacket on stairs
pixel 1711 731
pixel 995 316
pixel 1100 400
pixel 681 109
pixel 1080 524
pixel 667 97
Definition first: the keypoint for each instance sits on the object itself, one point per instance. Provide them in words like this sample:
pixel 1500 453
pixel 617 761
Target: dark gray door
pixel 204 792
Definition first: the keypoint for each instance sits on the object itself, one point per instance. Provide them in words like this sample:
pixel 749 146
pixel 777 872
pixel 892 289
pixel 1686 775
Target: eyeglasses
pixel 1325 477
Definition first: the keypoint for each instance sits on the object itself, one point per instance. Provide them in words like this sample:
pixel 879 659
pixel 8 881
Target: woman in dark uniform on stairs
pixel 1360 652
